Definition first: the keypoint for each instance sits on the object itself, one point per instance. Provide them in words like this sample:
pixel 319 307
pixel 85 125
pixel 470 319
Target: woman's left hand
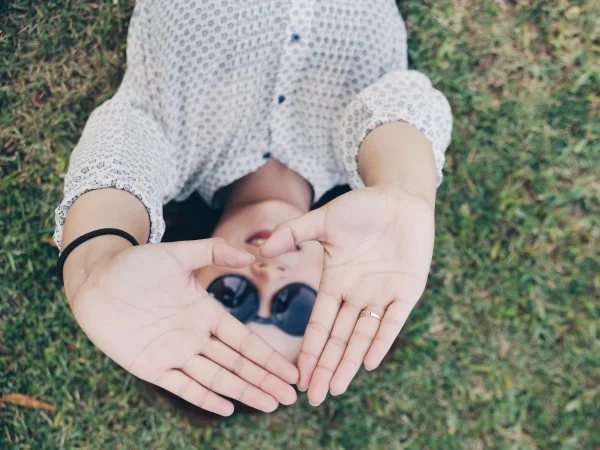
pixel 378 245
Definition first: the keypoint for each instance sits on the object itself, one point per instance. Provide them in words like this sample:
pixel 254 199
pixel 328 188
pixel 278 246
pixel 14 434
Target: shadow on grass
pixel 196 416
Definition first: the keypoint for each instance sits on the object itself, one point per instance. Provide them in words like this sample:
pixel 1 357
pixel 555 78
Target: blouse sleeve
pixel 123 146
pixel 400 95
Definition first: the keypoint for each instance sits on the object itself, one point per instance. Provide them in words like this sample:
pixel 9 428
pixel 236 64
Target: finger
pixel 218 379
pixel 317 332
pixel 206 252
pixel 188 389
pixel 307 227
pixel 247 343
pixel 360 342
pixel 332 353
pixel 393 321
pixel 224 356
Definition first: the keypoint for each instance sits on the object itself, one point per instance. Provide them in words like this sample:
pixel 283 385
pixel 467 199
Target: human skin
pixel 260 201
pixel 143 307
pixel 107 274
pixel 390 222
pixel 302 265
pixel 378 244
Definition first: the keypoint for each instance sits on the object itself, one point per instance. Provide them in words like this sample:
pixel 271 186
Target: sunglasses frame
pixel 254 317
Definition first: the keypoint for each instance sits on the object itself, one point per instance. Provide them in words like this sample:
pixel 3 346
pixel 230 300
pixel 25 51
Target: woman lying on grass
pixel 261 107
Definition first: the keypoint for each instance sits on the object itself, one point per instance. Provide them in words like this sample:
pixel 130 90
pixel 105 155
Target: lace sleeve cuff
pixel 401 95
pixel 124 148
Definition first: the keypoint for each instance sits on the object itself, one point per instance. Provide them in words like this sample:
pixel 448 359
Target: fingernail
pixel 285 393
pixel 269 406
pixel 301 389
pixel 313 404
pixel 252 258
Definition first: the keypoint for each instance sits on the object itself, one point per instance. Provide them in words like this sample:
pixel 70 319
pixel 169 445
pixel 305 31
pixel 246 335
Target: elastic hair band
pixel 86 237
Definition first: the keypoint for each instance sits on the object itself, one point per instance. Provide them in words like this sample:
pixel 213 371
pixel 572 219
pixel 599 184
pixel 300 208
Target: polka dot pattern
pixel 213 89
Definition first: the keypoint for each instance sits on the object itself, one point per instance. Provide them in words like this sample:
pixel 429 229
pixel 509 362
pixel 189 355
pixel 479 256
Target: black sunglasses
pixel 290 309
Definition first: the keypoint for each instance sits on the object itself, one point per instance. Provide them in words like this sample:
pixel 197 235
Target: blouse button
pixel 281 99
pixel 266 155
pixel 295 37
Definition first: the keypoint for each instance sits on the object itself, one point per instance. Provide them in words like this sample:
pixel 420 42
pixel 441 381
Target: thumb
pixel 207 252
pixel 307 227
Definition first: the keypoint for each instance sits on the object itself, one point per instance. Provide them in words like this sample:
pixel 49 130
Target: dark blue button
pixel 295 37
pixel 281 99
pixel 267 155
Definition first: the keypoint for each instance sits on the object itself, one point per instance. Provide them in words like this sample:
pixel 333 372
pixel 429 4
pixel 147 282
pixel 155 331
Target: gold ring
pixel 367 313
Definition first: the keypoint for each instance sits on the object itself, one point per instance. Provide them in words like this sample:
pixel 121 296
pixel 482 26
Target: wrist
pixel 100 208
pixel 401 191
pixel 398 156
pixel 87 258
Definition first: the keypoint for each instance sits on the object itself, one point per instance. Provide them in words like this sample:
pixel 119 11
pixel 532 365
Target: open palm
pixel 145 310
pixel 378 245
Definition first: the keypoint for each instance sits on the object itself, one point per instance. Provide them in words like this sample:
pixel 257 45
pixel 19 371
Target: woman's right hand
pixel 143 307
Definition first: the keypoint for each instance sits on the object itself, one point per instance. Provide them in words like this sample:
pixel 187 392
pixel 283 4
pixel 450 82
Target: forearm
pixel 397 154
pixel 101 208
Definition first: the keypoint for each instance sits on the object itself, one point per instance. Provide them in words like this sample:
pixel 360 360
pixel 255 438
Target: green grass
pixel 503 351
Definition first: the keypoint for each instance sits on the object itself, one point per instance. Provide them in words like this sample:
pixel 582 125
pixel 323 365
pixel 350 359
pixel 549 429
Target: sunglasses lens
pixel 292 308
pixel 237 294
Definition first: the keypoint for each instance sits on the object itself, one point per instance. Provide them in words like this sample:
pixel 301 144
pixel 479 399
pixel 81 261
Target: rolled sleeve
pixel 123 146
pixel 401 95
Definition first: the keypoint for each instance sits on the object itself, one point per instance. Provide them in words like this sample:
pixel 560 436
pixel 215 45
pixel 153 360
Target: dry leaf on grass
pixel 26 401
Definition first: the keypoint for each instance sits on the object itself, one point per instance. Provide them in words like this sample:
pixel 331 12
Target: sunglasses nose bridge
pixel 270 269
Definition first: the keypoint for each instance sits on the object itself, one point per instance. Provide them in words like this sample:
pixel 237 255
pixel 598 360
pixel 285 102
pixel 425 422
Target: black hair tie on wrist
pixel 86 237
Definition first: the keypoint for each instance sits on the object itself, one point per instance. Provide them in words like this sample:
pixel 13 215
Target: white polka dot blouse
pixel 215 88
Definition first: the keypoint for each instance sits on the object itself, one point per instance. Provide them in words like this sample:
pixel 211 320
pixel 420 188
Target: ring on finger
pixel 369 313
